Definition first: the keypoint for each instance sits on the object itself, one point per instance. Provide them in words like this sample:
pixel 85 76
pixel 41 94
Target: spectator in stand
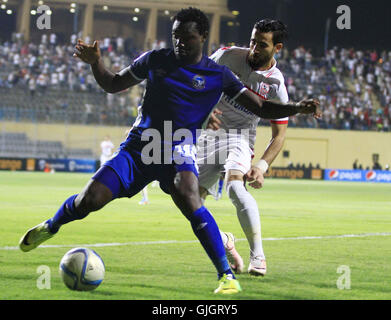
pixel 355 164
pixel 32 86
pixel 376 166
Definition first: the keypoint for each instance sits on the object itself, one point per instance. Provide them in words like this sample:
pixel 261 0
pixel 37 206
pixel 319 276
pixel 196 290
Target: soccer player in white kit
pixel 107 150
pixel 232 145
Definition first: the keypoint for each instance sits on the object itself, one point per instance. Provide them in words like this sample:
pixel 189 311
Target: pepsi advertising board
pixel 357 175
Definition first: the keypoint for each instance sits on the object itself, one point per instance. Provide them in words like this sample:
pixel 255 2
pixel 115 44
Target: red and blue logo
pixel 333 174
pixel 370 175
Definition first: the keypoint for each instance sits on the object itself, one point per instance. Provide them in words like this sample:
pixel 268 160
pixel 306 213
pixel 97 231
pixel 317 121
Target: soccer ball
pixel 82 269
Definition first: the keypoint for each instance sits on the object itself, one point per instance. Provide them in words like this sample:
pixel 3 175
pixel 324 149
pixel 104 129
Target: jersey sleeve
pixel 140 66
pixel 232 86
pixel 219 56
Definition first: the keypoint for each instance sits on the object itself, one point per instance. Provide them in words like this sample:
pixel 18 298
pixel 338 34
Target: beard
pixel 259 62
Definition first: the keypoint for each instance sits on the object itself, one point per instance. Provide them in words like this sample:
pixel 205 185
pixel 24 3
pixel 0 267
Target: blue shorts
pixel 126 174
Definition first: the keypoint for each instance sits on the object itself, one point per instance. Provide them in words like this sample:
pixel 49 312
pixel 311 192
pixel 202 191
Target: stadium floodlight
pixel 235 12
pixel 40 2
pixel 137 10
pixel 49 12
pixel 5 1
pixel 73 5
pixel 135 19
pixel 33 12
pixel 72 10
pixel 105 8
pixel 9 11
pixel 3 6
pixel 166 12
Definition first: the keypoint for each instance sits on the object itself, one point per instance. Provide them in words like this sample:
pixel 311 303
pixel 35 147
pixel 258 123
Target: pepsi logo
pixel 333 174
pixel 370 175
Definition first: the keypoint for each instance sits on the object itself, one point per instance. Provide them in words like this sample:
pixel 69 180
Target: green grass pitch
pixel 153 254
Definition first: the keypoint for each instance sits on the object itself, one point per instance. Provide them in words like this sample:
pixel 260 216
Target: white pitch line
pixel 135 243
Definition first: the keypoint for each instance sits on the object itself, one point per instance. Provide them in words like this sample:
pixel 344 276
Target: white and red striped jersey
pixel 268 84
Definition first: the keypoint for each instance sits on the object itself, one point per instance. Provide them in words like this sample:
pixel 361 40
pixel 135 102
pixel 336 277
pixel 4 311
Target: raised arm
pixel 275 110
pixel 107 80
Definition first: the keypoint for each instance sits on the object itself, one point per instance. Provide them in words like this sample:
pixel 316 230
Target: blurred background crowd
pixel 44 82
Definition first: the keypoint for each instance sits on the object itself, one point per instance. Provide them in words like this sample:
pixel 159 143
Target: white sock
pixel 145 193
pixel 224 238
pixel 248 215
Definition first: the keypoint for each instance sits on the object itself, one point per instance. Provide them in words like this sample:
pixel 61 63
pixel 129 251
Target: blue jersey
pixel 184 95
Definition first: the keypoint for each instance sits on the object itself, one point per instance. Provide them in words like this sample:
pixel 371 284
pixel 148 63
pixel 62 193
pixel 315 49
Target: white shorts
pixel 216 155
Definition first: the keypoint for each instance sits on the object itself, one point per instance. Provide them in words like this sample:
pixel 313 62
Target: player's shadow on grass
pixel 102 293
pixel 16 277
pixel 169 290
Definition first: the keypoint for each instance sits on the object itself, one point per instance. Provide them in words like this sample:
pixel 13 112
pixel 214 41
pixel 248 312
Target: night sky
pixel 306 20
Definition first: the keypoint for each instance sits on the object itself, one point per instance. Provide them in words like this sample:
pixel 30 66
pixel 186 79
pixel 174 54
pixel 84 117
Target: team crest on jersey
pixel 264 89
pixel 198 82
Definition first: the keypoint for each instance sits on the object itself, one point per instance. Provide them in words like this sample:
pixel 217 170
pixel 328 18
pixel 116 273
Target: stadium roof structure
pixel 217 9
pixel 208 6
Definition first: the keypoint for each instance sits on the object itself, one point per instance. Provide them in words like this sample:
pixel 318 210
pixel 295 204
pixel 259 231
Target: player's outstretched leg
pixel 186 196
pixel 92 198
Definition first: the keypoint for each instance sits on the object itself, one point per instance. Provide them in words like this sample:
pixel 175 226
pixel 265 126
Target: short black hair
pixel 279 29
pixel 194 15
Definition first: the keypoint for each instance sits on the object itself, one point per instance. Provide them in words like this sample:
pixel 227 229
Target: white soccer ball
pixel 82 269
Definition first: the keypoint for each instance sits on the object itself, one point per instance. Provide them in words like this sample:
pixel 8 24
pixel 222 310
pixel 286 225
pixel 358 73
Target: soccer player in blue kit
pixel 183 86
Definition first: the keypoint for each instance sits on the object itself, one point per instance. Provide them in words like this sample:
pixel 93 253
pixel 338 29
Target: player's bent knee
pixel 203 193
pixel 185 193
pixel 234 174
pixel 186 185
pixel 235 189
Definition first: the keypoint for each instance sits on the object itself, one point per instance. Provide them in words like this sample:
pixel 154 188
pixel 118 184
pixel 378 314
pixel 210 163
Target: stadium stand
pixel 15 144
pixel 353 87
pixel 46 84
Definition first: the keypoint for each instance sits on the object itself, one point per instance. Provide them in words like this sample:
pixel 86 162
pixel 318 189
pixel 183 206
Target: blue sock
pixel 221 184
pixel 65 214
pixel 207 232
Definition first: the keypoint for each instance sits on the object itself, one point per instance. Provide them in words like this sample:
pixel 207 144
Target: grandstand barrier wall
pixel 328 148
pixel 90 166
pixel 49 165
pixel 70 135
